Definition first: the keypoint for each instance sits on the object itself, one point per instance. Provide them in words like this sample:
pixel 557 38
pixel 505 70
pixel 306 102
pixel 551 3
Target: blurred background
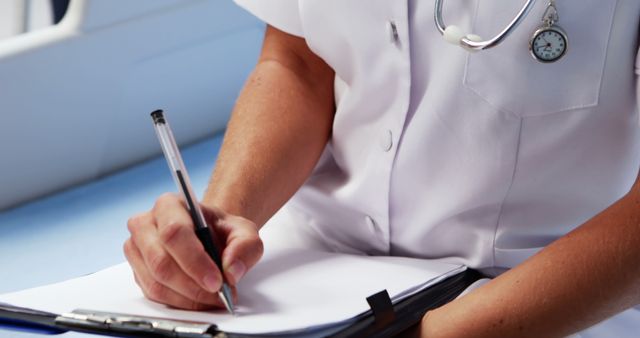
pixel 78 153
pixel 21 16
pixel 80 77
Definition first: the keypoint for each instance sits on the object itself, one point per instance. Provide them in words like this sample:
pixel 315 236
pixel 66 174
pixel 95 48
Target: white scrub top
pixel 480 159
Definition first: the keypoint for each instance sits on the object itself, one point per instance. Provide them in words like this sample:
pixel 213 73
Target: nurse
pixel 364 131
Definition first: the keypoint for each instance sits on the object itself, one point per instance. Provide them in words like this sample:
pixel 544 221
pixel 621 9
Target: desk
pixel 82 230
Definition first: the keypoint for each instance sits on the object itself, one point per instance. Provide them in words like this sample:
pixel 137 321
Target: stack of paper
pixel 289 291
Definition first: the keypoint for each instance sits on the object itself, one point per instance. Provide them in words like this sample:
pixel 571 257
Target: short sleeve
pixel 281 14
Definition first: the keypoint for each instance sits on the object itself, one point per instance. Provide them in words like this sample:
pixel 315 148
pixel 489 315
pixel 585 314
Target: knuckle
pixel 164 199
pixel 195 306
pixel 204 300
pixel 135 221
pixel 160 266
pixel 171 231
pixel 202 297
pixel 249 227
pixel 131 224
pixel 127 247
pixel 258 247
pixel 253 226
pixel 254 242
pixel 199 296
pixel 202 307
pixel 156 291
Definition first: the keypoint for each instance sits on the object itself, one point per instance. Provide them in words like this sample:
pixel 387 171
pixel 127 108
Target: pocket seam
pixel 595 102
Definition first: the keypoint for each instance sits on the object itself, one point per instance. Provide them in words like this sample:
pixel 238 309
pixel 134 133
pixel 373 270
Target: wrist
pixel 231 205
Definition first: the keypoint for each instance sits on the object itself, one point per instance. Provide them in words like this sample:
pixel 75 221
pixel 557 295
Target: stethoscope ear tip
pixel 454 35
pixel 472 38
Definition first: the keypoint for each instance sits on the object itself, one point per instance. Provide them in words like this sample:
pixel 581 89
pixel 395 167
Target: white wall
pixel 75 97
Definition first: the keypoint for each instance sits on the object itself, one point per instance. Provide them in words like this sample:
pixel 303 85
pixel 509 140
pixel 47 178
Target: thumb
pixel 243 247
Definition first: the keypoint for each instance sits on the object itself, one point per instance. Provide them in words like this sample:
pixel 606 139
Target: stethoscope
pixel 548 43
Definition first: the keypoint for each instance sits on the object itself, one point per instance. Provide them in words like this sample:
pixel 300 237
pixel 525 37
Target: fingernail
pixel 237 270
pixel 212 283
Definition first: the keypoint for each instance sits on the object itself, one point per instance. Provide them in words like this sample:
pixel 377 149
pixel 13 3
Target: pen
pixel 180 176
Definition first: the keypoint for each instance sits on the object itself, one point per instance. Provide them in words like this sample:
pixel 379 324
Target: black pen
pixel 179 172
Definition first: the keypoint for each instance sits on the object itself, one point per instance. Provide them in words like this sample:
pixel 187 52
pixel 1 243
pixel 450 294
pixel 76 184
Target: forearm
pixel 278 130
pixel 583 278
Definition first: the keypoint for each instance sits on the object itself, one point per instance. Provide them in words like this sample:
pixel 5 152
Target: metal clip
pixel 550 16
pixel 103 321
pixel 132 324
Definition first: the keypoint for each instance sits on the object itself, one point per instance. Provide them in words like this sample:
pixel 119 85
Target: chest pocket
pixel 507 76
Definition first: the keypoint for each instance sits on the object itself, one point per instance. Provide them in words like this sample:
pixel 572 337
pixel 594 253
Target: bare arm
pixel 582 278
pixel 280 125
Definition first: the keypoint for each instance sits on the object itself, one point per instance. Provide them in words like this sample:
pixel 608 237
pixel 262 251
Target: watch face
pixel 548 44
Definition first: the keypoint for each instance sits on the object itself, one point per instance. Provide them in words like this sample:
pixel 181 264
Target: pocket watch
pixel 549 42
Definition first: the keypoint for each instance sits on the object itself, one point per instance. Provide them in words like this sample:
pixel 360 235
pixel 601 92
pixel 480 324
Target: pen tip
pixel 227 300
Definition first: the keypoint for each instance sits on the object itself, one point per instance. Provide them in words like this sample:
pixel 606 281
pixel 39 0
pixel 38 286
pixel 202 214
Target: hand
pixel 169 262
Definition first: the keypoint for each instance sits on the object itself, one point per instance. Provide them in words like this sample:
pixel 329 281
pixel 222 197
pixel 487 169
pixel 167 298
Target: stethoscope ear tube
pixel 472 42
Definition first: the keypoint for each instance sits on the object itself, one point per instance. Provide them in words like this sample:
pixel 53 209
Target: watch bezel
pixel 540 31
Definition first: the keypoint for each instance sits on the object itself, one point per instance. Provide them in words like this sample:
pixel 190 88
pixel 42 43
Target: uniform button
pixel 393 31
pixel 386 140
pixel 373 227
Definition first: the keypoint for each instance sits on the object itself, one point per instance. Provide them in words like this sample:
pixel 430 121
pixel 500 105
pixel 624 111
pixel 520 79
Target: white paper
pixel 290 290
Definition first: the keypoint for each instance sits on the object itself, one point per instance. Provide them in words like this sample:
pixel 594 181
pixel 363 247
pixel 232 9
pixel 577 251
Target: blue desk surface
pixel 82 230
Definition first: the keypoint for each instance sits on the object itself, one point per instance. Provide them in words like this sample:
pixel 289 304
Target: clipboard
pixel 383 320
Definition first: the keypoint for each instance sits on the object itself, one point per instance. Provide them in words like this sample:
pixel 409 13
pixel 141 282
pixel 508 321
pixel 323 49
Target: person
pixel 364 132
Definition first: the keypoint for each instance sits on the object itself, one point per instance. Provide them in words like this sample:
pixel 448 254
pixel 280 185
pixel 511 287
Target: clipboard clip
pixel 136 325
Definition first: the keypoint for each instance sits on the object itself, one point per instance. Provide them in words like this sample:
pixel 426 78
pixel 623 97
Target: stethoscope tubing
pixel 466 43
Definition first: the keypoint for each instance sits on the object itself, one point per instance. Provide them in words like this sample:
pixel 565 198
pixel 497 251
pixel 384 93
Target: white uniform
pixel 480 159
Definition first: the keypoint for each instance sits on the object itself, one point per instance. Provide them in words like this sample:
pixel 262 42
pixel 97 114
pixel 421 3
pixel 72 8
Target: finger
pixel 171 208
pixel 177 236
pixel 135 260
pixel 163 268
pixel 139 220
pixel 243 247
pixel 155 290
